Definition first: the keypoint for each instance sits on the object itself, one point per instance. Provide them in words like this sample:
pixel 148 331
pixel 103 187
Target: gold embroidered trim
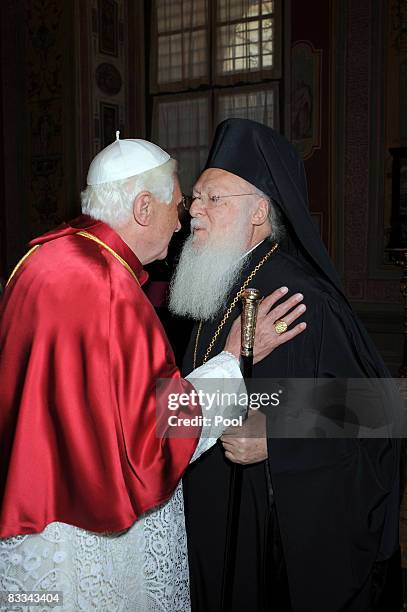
pixel 229 310
pixel 111 251
pixel 85 235
pixel 22 260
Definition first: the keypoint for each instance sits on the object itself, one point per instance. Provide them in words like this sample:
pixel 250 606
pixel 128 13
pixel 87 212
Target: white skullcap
pixel 123 159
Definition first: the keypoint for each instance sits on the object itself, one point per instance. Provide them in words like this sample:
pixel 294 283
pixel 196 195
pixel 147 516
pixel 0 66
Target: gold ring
pixel 280 326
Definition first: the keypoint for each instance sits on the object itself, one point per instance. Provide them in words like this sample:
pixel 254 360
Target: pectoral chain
pixel 230 309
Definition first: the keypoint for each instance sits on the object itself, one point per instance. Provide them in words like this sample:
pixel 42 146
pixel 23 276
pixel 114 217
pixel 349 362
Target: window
pixel 180 41
pixel 182 129
pixel 249 103
pixel 244 36
pixel 212 59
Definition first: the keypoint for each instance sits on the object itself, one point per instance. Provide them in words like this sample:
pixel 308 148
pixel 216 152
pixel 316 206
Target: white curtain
pixel 259 105
pixel 180 35
pixel 181 127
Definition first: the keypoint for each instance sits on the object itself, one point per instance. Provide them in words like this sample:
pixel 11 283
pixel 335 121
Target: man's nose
pixel 197 207
pixel 178 227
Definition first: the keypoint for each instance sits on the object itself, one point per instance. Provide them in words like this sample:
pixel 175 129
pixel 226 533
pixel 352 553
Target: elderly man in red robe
pixel 91 505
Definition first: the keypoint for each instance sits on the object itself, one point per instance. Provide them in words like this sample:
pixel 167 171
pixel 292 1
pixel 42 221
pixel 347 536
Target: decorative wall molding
pixel 306 97
pixel 3 221
pixel 49 99
pixel 38 98
pixel 360 154
pixel 108 68
pixel 72 73
pixel 13 124
pixel 111 72
pixel 310 103
pixel 379 266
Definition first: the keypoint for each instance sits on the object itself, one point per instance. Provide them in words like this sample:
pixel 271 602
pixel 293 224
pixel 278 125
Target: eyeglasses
pixel 211 201
pixel 184 204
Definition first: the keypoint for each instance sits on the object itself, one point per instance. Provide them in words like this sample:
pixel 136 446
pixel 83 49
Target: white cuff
pixel 223 365
pixel 228 384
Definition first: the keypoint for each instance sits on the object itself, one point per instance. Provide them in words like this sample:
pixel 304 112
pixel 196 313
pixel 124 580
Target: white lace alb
pixel 144 569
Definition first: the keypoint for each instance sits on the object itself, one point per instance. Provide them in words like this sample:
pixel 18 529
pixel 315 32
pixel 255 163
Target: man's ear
pixel 142 208
pixel 260 214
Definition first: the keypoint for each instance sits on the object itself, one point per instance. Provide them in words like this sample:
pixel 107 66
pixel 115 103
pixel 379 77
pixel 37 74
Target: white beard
pixel 205 275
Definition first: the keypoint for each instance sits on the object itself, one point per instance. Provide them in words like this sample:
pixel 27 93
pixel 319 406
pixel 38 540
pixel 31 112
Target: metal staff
pixel 250 303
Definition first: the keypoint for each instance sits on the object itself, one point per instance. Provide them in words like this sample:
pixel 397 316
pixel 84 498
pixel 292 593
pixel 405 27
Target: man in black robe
pixel 318 525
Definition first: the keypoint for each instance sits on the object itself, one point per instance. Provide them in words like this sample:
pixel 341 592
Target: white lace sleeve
pixel 221 378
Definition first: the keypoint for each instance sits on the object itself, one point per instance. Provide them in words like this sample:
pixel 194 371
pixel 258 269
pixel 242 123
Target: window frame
pixel 276 78
pixel 212 79
pixel 248 76
pixel 185 84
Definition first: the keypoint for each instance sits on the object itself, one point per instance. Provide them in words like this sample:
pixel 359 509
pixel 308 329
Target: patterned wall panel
pixel 310 104
pixel 108 65
pixel 342 142
pixel 3 221
pixel 111 73
pixel 72 73
pixel 306 72
pixel 395 99
pixel 48 97
pixel 368 278
pixel 357 146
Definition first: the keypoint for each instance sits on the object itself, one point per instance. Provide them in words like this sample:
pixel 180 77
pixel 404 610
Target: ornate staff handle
pixel 250 304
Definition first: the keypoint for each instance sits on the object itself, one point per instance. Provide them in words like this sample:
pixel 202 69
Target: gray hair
pixel 275 218
pixel 113 202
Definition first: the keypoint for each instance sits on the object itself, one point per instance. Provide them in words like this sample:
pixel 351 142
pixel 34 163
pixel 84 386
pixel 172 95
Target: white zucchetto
pixel 123 159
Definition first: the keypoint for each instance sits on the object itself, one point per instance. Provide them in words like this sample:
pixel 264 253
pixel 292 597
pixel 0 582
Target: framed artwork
pixel 109 121
pixel 108 27
pixel 306 98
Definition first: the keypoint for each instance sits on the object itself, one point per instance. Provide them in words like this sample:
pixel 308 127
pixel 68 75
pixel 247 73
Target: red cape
pixel 82 348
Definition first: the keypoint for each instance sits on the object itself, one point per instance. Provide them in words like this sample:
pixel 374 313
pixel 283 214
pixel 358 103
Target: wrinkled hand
pixel 247 444
pixel 266 338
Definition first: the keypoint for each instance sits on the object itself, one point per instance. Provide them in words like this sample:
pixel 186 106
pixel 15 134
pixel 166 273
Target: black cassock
pixel 333 511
